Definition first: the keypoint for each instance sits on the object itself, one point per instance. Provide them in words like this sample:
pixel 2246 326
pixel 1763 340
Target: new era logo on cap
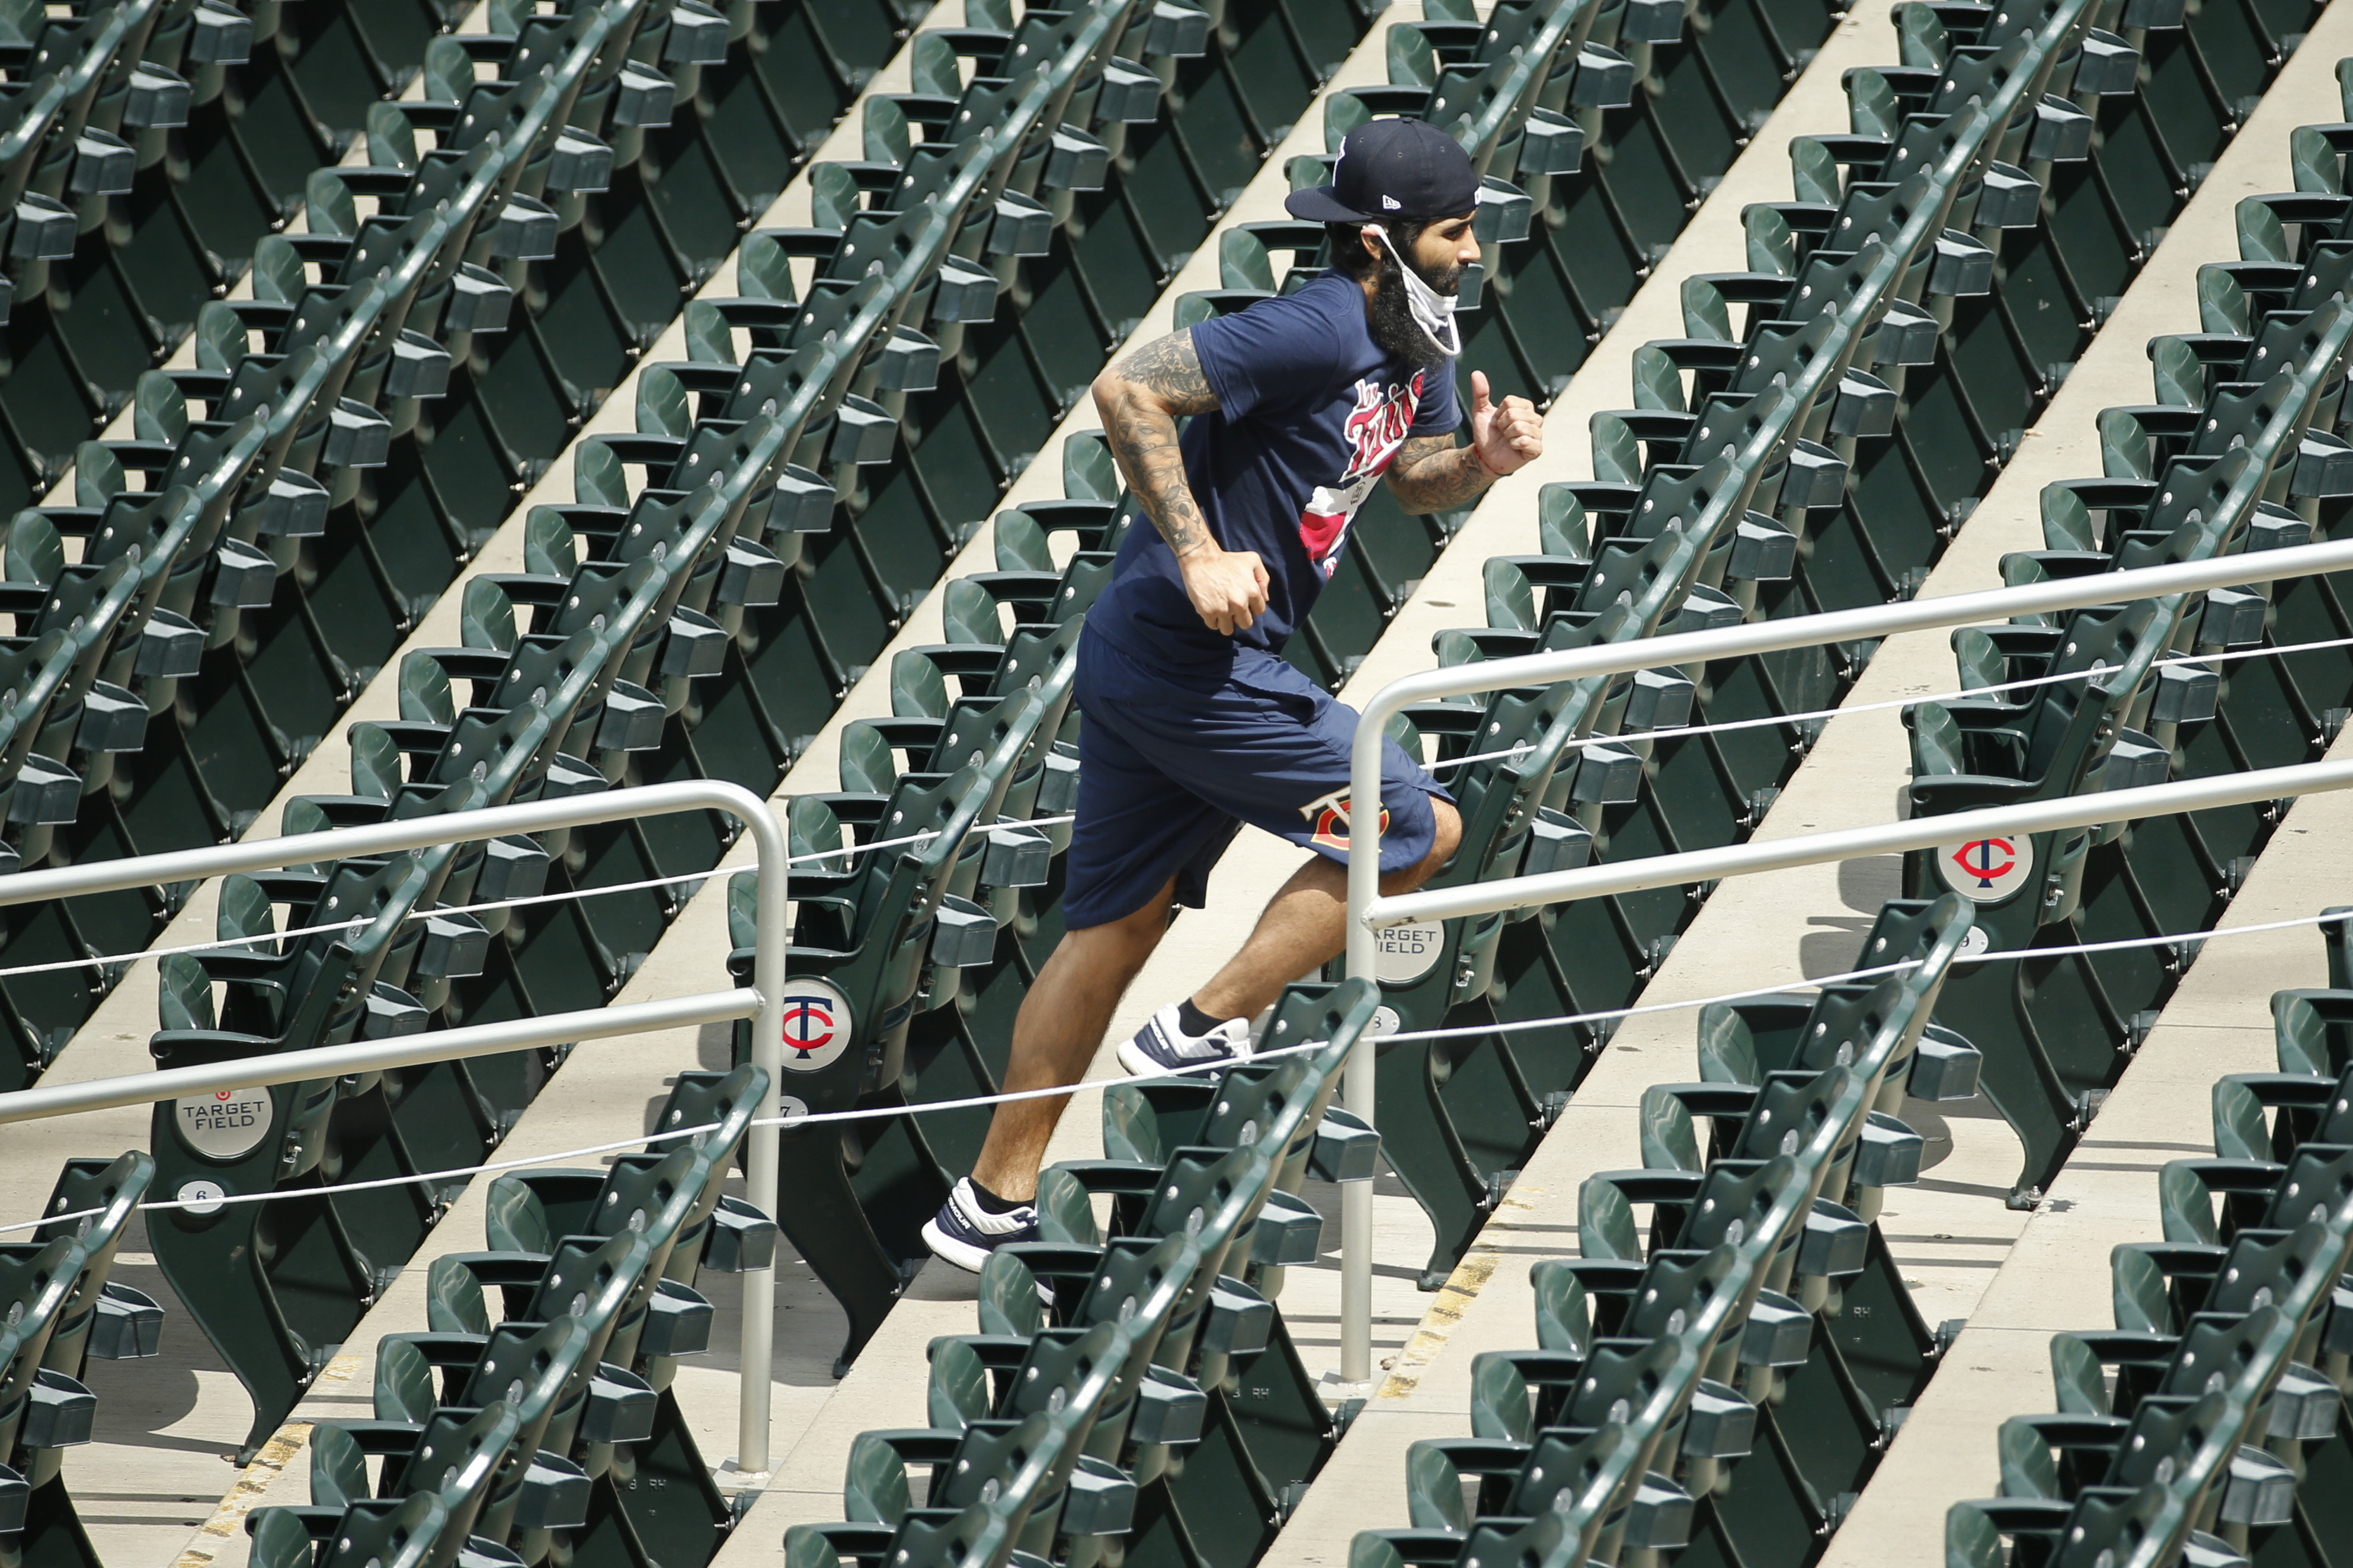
pixel 1408 168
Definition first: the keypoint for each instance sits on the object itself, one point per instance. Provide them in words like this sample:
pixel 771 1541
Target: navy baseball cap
pixel 1396 168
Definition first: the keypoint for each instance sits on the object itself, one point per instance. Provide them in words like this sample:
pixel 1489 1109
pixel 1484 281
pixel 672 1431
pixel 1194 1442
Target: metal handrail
pixel 1368 911
pixel 2093 810
pixel 765 999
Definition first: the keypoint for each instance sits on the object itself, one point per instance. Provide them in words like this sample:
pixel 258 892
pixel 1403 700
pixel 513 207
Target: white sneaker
pixel 1162 1045
pixel 965 1233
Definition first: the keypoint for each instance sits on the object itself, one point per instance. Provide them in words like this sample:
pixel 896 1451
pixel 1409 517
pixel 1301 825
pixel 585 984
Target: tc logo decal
pixel 818 1025
pixel 808 1024
pixel 1987 871
pixel 1985 858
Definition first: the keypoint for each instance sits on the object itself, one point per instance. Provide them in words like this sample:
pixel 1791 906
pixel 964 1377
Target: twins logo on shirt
pixel 1327 819
pixel 1375 428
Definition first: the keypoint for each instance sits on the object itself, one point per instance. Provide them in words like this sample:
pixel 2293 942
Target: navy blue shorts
pixel 1171 764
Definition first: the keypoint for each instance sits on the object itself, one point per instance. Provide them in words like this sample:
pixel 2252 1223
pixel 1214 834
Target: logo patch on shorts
pixel 1327 820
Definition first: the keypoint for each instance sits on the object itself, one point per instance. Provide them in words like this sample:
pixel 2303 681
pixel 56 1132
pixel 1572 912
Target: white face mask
pixel 1432 311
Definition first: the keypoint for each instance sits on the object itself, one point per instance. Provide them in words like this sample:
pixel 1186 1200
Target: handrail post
pixel 1359 1083
pixel 754 1379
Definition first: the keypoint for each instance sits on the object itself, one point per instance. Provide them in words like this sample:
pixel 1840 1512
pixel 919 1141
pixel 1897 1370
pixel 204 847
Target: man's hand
pixel 1504 435
pixel 1227 587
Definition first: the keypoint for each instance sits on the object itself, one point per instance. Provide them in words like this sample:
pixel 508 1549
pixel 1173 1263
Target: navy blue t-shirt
pixel 1309 413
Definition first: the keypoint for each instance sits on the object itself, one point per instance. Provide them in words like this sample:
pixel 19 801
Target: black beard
pixel 1395 332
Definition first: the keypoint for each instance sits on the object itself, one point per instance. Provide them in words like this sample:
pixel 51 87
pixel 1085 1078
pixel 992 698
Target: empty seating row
pixel 172 188
pixel 1778 445
pixel 2240 452
pixel 572 671
pixel 168 672
pixel 1132 1391
pixel 1718 1389
pixel 2204 1424
pixel 532 1420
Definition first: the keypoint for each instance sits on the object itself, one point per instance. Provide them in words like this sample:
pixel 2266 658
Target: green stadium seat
pixel 2207 1403
pixel 1132 1396
pixel 1684 1398
pixel 2238 456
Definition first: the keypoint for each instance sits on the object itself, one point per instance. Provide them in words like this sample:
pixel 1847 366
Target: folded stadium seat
pixel 256 129
pixel 1694 1392
pixel 552 1372
pixel 1146 1358
pixel 88 82
pixel 52 1288
pixel 460 1459
pixel 2209 1403
pixel 2246 466
pixel 95 1318
pixel 715 140
pixel 397 1533
pixel 277 1318
pixel 582 1388
pixel 248 106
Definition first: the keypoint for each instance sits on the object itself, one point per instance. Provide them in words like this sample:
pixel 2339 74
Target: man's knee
pixel 1445 834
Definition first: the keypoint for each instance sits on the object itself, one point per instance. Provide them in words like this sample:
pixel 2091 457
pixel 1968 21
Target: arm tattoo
pixel 1433 474
pixel 1141 399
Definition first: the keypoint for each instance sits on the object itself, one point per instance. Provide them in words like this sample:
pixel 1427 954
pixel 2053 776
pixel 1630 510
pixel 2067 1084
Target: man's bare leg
pixel 1055 1035
pixel 1305 924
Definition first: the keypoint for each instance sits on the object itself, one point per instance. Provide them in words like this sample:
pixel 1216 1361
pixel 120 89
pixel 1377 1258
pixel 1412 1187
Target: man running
pixel 1193 723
